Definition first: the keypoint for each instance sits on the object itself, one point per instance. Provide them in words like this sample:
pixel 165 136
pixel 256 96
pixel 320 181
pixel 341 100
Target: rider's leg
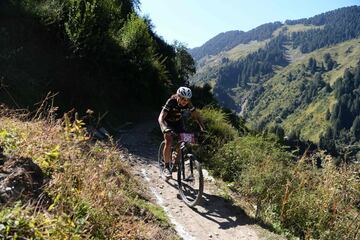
pixel 167 148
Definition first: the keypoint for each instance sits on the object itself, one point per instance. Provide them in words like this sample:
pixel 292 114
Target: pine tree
pixel 355 128
pixel 327 115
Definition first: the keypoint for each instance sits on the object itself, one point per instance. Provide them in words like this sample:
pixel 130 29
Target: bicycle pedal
pixel 166 177
pixel 189 178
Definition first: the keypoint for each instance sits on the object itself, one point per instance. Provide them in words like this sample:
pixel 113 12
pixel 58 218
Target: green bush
pixel 220 132
pixel 245 152
pixel 259 169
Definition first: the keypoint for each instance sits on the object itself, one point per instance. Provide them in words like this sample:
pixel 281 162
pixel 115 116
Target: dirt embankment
pixel 20 178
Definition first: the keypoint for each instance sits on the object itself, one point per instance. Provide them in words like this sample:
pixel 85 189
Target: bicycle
pixel 189 170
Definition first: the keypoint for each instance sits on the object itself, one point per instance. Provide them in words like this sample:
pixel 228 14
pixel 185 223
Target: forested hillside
pixel 228 40
pixel 91 54
pixel 339 25
pixel 289 84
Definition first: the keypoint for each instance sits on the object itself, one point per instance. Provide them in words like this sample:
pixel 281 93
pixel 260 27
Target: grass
pixel 294 197
pixel 90 192
pixel 310 120
pixel 295 28
pixel 242 50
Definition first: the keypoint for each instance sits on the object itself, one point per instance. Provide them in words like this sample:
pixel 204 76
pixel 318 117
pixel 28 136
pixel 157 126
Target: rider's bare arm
pixel 161 119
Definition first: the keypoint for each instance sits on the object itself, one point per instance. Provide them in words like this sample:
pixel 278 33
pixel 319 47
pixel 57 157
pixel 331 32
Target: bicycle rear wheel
pixel 190 180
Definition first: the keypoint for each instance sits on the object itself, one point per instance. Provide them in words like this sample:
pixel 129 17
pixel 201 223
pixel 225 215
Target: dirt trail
pixel 215 218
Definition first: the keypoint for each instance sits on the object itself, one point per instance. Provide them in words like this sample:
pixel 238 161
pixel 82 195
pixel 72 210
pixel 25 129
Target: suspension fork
pixel 191 166
pixel 182 152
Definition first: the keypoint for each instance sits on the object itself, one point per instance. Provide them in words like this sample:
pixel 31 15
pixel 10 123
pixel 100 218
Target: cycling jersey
pixel 175 111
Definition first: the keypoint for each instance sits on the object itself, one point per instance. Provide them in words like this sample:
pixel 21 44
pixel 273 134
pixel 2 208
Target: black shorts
pixel 177 127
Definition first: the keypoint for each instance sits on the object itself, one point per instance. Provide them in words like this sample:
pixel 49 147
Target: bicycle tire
pixel 190 190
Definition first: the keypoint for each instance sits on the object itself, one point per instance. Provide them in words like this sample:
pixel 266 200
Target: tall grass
pixel 220 132
pixel 291 194
pixel 309 201
pixel 89 194
pixel 322 203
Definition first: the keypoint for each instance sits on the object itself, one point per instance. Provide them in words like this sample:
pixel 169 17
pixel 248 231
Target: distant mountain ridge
pixel 227 40
pixel 290 80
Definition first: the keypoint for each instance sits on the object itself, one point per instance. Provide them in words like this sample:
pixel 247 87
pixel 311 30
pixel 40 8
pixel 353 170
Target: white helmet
pixel 184 92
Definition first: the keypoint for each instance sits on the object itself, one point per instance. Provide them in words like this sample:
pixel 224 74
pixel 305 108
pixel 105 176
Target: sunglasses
pixel 183 99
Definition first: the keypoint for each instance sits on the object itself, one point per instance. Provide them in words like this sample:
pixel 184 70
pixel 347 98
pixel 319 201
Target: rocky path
pixel 214 218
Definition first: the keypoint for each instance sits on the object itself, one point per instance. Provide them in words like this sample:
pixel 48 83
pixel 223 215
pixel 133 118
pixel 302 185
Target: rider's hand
pixel 167 130
pixel 203 130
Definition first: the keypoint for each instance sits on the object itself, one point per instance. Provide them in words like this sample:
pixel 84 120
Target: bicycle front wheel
pixel 190 180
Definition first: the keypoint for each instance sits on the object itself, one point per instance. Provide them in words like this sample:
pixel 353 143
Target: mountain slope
pixel 288 79
pixel 228 40
pixel 280 93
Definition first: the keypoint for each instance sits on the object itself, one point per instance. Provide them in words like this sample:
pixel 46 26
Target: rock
pixel 20 178
pixel 3 175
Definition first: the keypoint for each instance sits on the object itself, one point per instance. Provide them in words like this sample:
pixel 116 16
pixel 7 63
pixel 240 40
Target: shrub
pixel 220 132
pixel 259 170
pixel 245 152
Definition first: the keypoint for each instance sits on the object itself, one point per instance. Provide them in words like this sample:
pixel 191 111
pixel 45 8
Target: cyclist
pixel 171 120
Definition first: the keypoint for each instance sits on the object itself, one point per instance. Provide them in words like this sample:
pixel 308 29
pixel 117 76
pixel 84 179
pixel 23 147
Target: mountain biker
pixel 171 120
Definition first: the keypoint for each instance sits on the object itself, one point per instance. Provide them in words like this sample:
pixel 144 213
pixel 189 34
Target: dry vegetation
pixel 89 192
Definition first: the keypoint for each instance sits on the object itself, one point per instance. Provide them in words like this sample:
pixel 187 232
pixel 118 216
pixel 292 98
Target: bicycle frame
pixel 184 149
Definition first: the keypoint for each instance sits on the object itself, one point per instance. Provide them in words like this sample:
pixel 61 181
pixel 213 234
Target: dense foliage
pixel 344 133
pixel 94 54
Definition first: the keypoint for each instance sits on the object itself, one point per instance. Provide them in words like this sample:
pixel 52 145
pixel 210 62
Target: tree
pixel 355 128
pixel 329 62
pixel 312 65
pixel 185 64
pixel 136 39
pixel 327 115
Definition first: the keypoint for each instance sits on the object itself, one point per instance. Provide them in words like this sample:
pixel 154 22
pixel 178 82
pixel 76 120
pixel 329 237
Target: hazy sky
pixel 195 21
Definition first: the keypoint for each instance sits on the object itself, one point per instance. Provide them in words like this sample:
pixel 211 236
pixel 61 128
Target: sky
pixel 193 22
